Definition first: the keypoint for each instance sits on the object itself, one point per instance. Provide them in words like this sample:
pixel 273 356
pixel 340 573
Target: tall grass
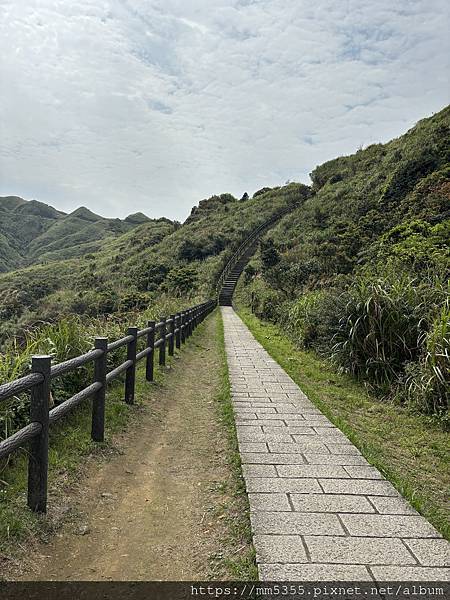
pixel 67 338
pixel 427 383
pixel 394 333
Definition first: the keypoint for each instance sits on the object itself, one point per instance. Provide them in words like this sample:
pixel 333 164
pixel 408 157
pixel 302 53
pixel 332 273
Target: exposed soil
pixel 157 509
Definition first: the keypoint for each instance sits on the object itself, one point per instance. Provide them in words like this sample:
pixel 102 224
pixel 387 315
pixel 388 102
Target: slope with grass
pixel 359 272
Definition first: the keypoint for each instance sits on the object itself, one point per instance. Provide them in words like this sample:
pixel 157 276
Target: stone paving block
pixel 246 417
pixel 353 550
pixel 268 423
pixel 253 447
pixel 335 503
pixel 342 445
pixel 364 487
pixel 392 506
pixel 301 523
pixel 331 432
pixel 280 484
pixel 306 445
pixel 341 448
pixel 251 429
pixel 306 422
pixel 388 573
pixel 259 471
pixel 268 458
pixel 297 419
pixel 298 572
pixel 263 437
pixel 404 526
pixel 291 430
pixel 262 403
pixel 363 472
pixel 434 553
pixel 269 502
pixel 279 549
pixel 316 471
pixel 263 410
pixel 286 407
pixel 334 459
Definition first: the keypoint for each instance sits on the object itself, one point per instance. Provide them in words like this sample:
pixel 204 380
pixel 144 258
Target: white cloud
pixel 126 105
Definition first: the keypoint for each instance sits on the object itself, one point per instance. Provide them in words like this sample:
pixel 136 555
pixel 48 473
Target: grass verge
pixel 410 450
pixel 243 567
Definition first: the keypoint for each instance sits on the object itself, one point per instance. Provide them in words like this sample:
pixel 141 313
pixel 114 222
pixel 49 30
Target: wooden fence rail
pixel 172 331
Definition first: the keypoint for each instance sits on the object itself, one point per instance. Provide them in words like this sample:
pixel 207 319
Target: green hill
pixel 359 272
pixel 31 232
pixel 156 257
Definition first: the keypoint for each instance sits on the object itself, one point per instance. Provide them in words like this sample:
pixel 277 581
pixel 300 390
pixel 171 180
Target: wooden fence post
pixel 172 334
pixel 162 348
pixel 130 377
pixel 98 403
pixel 189 323
pixel 150 357
pixel 178 334
pixel 183 326
pixel 38 458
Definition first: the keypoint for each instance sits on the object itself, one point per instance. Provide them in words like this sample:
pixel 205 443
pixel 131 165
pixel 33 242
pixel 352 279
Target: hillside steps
pixel 229 285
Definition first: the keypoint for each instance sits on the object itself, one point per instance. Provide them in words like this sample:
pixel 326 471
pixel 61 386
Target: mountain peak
pixel 84 213
pixel 137 218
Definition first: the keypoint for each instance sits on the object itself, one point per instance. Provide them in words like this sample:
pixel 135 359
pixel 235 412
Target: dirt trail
pixel 149 512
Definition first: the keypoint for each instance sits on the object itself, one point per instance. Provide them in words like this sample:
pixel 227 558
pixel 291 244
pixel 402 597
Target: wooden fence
pixel 166 335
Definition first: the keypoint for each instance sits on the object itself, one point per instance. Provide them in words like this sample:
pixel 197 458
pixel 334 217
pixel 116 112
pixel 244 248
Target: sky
pixel 152 105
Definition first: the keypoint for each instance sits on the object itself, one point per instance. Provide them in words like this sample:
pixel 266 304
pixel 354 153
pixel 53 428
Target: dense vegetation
pixel 359 272
pixel 130 272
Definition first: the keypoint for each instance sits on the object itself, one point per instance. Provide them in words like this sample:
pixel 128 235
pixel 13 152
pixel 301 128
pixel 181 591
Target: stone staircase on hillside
pixel 233 270
pixel 229 285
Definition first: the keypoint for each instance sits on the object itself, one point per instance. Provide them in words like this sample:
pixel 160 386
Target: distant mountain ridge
pixel 33 232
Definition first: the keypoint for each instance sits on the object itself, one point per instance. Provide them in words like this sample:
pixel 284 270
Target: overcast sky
pixel 152 105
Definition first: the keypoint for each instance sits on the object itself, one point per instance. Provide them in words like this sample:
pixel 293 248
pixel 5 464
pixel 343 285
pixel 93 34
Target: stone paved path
pixel 319 511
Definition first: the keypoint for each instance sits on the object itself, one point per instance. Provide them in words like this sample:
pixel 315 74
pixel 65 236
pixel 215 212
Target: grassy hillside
pixel 359 271
pixel 134 269
pixel 32 232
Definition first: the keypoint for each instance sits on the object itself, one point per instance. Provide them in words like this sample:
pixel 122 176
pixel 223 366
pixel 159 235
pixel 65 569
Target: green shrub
pixel 383 323
pixel 181 280
pixel 249 274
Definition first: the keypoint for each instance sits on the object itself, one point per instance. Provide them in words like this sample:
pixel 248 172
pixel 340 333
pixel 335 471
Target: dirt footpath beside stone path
pixel 152 513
